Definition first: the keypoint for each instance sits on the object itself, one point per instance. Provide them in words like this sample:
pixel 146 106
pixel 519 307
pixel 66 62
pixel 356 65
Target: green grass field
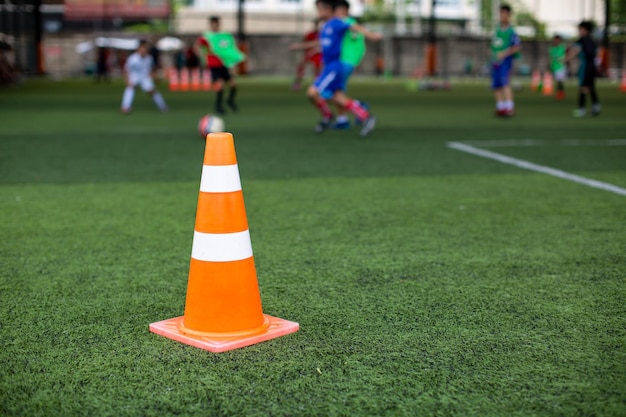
pixel 426 281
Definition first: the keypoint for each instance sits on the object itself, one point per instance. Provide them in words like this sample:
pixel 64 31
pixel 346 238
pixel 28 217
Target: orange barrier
pixel 184 79
pixel 223 308
pixel 173 79
pixel 548 84
pixel 195 79
pixel 535 81
pixel 206 79
pixel 622 87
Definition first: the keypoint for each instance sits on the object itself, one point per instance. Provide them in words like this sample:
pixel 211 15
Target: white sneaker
pixel 595 109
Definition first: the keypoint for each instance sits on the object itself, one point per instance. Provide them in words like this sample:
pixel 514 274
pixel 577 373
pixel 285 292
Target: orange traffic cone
pixel 195 79
pixel 206 79
pixel 535 81
pixel 548 84
pixel 622 87
pixel 223 308
pixel 184 79
pixel 173 79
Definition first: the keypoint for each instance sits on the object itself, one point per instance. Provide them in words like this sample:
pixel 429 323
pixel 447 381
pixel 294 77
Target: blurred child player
pixel 352 52
pixel 207 45
pixel 586 50
pixel 504 48
pixel 138 71
pixel 330 84
pixel 312 56
pixel 557 65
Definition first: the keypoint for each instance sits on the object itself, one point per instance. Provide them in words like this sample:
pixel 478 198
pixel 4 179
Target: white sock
pixel 500 105
pixel 127 100
pixel 508 105
pixel 342 118
pixel 158 99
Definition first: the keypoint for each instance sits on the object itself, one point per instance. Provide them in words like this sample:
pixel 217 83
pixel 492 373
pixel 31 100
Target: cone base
pixel 277 327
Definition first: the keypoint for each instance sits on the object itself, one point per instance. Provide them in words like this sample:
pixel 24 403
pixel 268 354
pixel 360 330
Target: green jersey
pixel 503 40
pixel 352 46
pixel 557 57
pixel 225 48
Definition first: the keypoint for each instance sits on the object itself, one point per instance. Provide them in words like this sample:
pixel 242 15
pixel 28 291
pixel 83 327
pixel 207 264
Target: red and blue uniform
pixel 331 79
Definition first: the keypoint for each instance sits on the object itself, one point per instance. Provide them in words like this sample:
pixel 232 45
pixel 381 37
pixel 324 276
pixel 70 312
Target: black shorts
pixel 587 78
pixel 220 73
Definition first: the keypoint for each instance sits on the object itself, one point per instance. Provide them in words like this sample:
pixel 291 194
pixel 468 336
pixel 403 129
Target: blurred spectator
pixel 9 73
pixel 191 59
pixel 156 56
pixel 102 65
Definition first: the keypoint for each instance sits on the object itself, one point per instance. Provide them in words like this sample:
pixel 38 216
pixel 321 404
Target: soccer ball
pixel 210 124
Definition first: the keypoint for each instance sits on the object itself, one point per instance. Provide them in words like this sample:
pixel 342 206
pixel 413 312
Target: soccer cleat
pixel 578 113
pixel 126 111
pixel 323 124
pixel 560 95
pixel 368 125
pixel 344 125
pixel 220 111
pixel 508 113
pixel 595 110
pixel 499 113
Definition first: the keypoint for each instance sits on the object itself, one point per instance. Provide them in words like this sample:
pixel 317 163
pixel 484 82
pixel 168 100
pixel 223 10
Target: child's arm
pixel 369 35
pixel 509 52
pixel 304 45
pixel 202 50
pixel 573 52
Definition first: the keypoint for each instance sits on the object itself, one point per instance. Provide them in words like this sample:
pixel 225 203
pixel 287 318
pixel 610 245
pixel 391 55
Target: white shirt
pixel 139 67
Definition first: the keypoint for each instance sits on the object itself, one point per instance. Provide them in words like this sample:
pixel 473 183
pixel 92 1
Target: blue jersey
pixel 331 38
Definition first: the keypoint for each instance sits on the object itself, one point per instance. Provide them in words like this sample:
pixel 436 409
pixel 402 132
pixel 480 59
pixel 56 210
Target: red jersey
pixel 212 60
pixel 313 53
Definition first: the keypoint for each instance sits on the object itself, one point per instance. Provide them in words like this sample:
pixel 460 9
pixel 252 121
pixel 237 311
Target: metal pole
pixel 240 22
pixel 431 48
pixel 607 23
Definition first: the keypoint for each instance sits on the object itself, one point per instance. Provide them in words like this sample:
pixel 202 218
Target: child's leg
pixel 127 98
pixel 507 96
pixel 319 102
pixel 499 97
pixel 342 100
pixel 159 100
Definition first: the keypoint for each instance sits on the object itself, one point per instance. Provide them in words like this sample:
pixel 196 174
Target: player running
pixel 221 54
pixel 139 71
pixel 312 56
pixel 330 84
pixel 586 50
pixel 557 54
pixel 352 52
pixel 504 48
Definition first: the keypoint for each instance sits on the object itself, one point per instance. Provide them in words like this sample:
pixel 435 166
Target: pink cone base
pixel 277 327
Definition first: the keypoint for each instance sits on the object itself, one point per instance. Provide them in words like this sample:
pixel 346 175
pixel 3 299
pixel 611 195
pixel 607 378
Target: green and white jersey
pixel 557 57
pixel 352 46
pixel 503 39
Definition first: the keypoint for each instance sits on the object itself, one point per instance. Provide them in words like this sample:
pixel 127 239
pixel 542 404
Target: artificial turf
pixel 426 281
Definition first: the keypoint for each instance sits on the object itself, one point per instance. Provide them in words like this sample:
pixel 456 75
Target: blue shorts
pixel 346 73
pixel 501 74
pixel 330 80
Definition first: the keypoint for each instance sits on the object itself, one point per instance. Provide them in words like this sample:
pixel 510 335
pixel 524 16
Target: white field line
pixel 537 168
pixel 514 143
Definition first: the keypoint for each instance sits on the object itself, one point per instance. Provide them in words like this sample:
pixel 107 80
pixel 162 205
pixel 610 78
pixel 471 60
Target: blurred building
pixel 292 16
pixel 563 16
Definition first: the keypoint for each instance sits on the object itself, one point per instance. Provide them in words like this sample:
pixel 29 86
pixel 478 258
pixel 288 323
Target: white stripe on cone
pixel 221 247
pixel 220 179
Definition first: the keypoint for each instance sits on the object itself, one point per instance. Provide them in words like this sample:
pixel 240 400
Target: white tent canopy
pixel 167 43
pixel 170 43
